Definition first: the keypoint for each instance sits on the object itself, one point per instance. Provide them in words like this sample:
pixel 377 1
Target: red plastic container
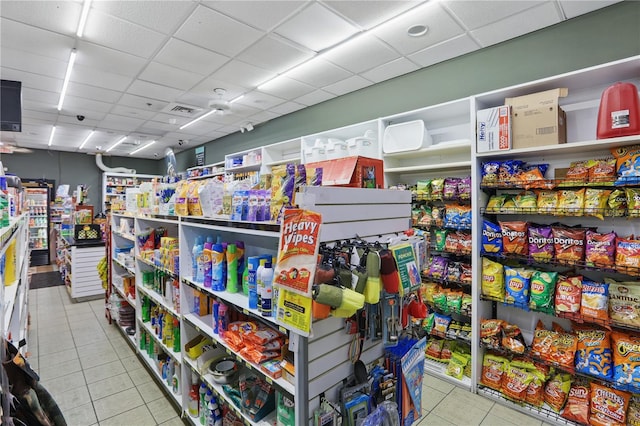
pixel 619 113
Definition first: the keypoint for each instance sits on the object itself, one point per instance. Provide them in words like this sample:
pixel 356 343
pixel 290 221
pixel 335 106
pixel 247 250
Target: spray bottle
pixel 259 282
pixel 267 289
pixel 232 269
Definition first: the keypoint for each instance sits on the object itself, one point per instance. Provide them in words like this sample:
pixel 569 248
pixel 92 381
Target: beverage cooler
pixel 38 203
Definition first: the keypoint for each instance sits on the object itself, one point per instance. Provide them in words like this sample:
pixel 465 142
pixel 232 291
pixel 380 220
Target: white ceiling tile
pixel 286 88
pixel 203 126
pixel 573 8
pixel 261 14
pixel 204 91
pixel 90 121
pixel 314 97
pixel 118 34
pixel 141 102
pixel 214 31
pixel 43 96
pixel 163 16
pixel 389 70
pixel 316 28
pixel 155 128
pixel 361 54
pixel 242 74
pixel 26 38
pixel 91 92
pixel 153 91
pixel 169 76
pixel 118 122
pixel 167 118
pixel 440 27
pixel 96 77
pixel 263 117
pixel 274 54
pixel 226 118
pixel 58 16
pixel 259 100
pixel 38 106
pixel 318 72
pixel 189 57
pixel 457 46
pixel 368 14
pixel 39 115
pixel 38 64
pixel 349 85
pixel 108 60
pixel 476 14
pixel 522 23
pixel 33 81
pixel 74 105
pixel 287 108
pixel 126 111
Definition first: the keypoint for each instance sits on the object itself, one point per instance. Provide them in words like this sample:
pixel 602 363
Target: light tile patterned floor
pixel 96 378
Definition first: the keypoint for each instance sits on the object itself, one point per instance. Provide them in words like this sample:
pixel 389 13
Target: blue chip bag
pixel 490 173
pixel 491 238
pixel 517 282
pixel 593 354
pixel 509 170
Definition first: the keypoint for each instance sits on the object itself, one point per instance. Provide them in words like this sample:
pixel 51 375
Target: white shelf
pixel 147 359
pixel 159 300
pixel 159 268
pixel 10 293
pixel 247 168
pixel 264 229
pixel 208 175
pixel 125 296
pixel 168 350
pixel 438 149
pixel 437 369
pixel 122 265
pixel 125 236
pixel 159 218
pixel 205 328
pixel 295 160
pixel 430 167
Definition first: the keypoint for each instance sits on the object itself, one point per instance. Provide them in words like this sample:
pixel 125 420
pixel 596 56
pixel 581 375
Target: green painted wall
pixel 602 36
pixel 73 168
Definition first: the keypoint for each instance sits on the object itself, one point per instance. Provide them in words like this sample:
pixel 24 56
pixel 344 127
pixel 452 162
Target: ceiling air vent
pixel 183 110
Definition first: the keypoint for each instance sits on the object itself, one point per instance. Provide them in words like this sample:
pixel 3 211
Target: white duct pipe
pixel 104 168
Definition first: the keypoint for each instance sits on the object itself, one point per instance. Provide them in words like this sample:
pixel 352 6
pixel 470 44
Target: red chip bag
pixel 515 383
pixel 568 244
pixel 610 402
pixel 568 294
pixel 515 237
pixel 628 255
pixel 577 407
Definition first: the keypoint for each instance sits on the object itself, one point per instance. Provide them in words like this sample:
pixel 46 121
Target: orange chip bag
pixel 577 407
pixel 542 341
pixel 602 171
pixel 557 390
pixel 610 402
pixel 568 294
pixel 563 350
pixel 568 244
pixel 515 383
pixel 599 419
pixel 627 254
pixel 626 362
pixel 493 368
pixel 578 173
pixel 535 391
pixel 514 237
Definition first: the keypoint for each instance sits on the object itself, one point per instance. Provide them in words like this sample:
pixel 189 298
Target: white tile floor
pixel 96 378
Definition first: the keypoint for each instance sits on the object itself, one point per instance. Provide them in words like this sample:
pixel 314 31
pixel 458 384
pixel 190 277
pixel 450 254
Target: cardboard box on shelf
pixel 493 129
pixel 357 172
pixel 537 119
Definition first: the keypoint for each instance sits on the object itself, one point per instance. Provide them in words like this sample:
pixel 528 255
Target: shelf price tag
pixel 245 311
pixel 282 329
pixel 268 379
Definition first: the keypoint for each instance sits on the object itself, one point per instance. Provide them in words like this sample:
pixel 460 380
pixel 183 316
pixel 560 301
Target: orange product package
pixel 626 360
pixel 563 350
pixel 568 294
pixel 578 174
pixel 493 368
pixel 535 391
pixel 595 300
pixel 612 403
pixel 577 407
pixel 515 383
pixel 568 244
pixel 542 341
pixel 602 171
pixel 628 254
pixel 557 390
pixel 490 332
pixel 515 237
pixel 263 336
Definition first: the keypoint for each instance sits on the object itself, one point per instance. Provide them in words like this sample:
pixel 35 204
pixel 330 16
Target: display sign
pixel 407 267
pixel 200 156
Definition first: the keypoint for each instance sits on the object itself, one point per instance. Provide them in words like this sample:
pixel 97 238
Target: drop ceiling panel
pixel 57 16
pixel 574 8
pixel 390 70
pixel 153 91
pixel 474 14
pixel 118 122
pixel 33 81
pixel 319 73
pixel 162 16
pixel 38 106
pixel 40 96
pixel 141 102
pixel 242 74
pixel 314 97
pixel 126 111
pixel 26 38
pixel 169 76
pixel 118 34
pixel 156 127
pixel 38 115
pixel 75 105
pixel 263 15
pixel 361 54
pixel 441 26
pixel 316 28
pixel 349 85
pixel 368 14
pixel 457 46
pixel 189 57
pixel 259 100
pixel 286 88
pixel 274 54
pixel 167 119
pixel 517 25
pixel 108 59
pixel 201 127
pixel 32 63
pixel 91 92
pixel 96 77
pixel 204 90
pixel 91 119
pixel 214 31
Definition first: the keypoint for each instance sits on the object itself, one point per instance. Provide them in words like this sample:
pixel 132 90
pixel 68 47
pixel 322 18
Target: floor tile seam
pixel 132 408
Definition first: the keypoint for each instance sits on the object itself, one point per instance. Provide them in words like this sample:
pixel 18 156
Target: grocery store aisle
pixel 89 368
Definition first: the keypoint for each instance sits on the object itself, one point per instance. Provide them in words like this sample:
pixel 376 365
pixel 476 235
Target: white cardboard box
pixel 493 131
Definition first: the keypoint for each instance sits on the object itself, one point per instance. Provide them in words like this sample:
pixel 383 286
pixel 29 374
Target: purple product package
pixel 540 242
pixel 438 267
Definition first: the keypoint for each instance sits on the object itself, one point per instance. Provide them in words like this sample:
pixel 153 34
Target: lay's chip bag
pixel 517 282
pixel 543 285
pixel 492 279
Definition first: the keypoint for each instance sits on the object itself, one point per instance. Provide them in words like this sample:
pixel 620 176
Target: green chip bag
pixel 456 365
pixel 440 237
pixel 542 289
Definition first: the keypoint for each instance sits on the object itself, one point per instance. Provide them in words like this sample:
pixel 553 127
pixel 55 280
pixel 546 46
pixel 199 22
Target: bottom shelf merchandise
pixel 165 368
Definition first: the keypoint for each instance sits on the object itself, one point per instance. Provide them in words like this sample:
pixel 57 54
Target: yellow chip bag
pixel 547 202
pixel 492 279
pixel 571 202
pixel 595 202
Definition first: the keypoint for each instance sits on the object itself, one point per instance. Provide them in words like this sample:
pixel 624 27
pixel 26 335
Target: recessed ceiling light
pixel 417 30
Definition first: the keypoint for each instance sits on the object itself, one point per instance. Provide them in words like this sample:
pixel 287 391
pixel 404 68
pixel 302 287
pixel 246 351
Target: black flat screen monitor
pixel 10 106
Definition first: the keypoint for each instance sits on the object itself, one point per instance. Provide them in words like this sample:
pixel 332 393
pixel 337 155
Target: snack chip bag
pixel 627 164
pixel 578 174
pixel 602 172
pixel 515 383
pixel 441 238
pixel 490 332
pixel 542 341
pixel 633 413
pixel 577 406
pixel 542 287
pixel 491 238
pixel 495 203
pixel 438 267
pixel 492 279
pixel 595 300
pixel 440 323
pixel 509 205
pixel 633 202
pixel 423 189
pixel 600 249
pixel 568 294
pixel 526 202
pixel 450 190
pixel 490 173
pixel 595 202
pixel 517 281
pixel 514 237
pixel 610 402
pixel 464 188
pixel 512 339
pixel 626 362
pixel 456 365
pixel 540 242
pixel 509 170
pixel 434 348
pixel 493 368
pixel 628 255
pixel 535 391
pixel 547 202
pixel 563 349
pixel 593 354
pixel 617 203
pixel 568 244
pixel 437 189
pixel 556 391
pixel 571 202
pixel 624 302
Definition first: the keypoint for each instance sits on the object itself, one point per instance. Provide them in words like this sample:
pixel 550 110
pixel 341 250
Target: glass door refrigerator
pixel 38 203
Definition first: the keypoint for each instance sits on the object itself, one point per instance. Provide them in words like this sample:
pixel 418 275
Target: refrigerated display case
pixel 38 205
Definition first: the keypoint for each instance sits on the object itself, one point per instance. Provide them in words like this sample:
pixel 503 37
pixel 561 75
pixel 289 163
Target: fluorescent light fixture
pixel 184 126
pixel 86 139
pixel 67 76
pixel 117 143
pixel 53 132
pixel 142 147
pixel 83 17
pixel 236 99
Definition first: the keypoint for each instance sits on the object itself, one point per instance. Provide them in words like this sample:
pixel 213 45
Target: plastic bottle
pixel 217 260
pixel 193 402
pixel 241 260
pixel 202 410
pixel 207 255
pixel 207 401
pixel 245 280
pixel 199 275
pixel 194 254
pixel 259 283
pixel 253 263
pixel 176 335
pixel 224 263
pixel 216 317
pixel 232 269
pixel 223 321
pixel 267 290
